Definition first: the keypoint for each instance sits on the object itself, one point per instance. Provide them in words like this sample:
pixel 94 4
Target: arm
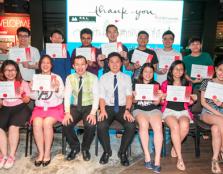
pixel 60 89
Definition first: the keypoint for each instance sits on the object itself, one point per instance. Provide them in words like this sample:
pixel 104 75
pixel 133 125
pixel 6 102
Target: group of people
pixel 79 96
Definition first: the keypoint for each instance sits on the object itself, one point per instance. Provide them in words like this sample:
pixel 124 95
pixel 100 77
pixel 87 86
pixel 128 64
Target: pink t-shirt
pixel 24 90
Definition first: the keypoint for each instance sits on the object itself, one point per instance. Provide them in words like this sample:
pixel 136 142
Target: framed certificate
pixel 146 92
pixel 56 50
pixel 178 93
pixel 214 91
pixel 166 61
pixel 88 52
pixel 202 71
pixel 42 82
pixel 10 89
pixel 20 54
pixel 111 47
pixel 141 57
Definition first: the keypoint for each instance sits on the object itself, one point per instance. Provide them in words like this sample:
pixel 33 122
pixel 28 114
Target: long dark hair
pixel 41 60
pixel 184 81
pixel 140 79
pixel 13 63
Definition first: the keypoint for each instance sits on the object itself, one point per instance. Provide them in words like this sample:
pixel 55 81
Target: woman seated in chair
pixel 146 112
pixel 48 111
pixel 212 114
pixel 176 114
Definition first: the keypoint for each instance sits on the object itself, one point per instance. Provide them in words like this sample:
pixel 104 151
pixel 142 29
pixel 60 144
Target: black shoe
pixel 86 155
pixel 72 154
pixel 104 158
pixel 124 159
pixel 46 163
pixel 38 163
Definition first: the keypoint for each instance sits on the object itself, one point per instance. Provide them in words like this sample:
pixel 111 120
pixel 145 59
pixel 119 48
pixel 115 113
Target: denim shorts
pixel 219 109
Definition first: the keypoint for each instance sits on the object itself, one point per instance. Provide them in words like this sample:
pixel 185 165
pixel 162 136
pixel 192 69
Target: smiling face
pixel 143 40
pixel 115 64
pixel 86 39
pixel 80 66
pixel 168 40
pixel 112 34
pixel 56 38
pixel 219 72
pixel 178 71
pixel 23 38
pixel 195 47
pixel 147 74
pixel 10 72
pixel 46 66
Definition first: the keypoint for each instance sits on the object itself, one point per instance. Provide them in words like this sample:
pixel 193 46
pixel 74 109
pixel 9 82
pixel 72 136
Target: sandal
pixel 180 165
pixel 215 168
pixel 220 156
pixel 173 153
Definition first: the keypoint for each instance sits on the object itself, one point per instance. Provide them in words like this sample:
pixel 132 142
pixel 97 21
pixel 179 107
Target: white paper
pixel 41 82
pixel 166 61
pixel 109 48
pixel 20 54
pixel 139 57
pixel 56 50
pixel 214 91
pixel 87 52
pixel 145 92
pixel 7 90
pixel 177 94
pixel 199 71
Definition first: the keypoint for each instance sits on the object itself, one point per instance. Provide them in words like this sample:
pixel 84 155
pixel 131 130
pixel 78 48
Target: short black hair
pixel 111 25
pixel 23 29
pixel 143 32
pixel 113 54
pixel 79 57
pixel 86 31
pixel 194 39
pixel 58 32
pixel 168 32
pixel 218 61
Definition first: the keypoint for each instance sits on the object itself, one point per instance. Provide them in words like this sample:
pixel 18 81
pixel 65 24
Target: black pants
pixel 103 129
pixel 89 130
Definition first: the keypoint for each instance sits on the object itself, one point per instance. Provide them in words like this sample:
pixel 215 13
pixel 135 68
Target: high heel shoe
pixel 38 163
pixel 220 156
pixel 215 168
pixel 46 163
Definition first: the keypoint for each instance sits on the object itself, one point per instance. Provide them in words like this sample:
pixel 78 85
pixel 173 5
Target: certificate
pixel 88 52
pixel 202 71
pixel 146 92
pixel 56 50
pixel 42 82
pixel 9 89
pixel 111 47
pixel 166 61
pixel 20 54
pixel 214 91
pixel 141 57
pixel 178 93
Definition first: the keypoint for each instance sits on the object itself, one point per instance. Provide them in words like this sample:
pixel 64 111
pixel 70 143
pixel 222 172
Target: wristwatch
pixel 127 109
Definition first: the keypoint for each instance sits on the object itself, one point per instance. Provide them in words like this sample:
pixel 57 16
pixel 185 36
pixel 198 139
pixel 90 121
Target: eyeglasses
pixel 23 36
pixel 168 39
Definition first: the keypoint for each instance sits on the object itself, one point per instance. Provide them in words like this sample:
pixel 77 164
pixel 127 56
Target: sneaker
pixel 10 162
pixel 156 169
pixel 149 165
pixel 3 159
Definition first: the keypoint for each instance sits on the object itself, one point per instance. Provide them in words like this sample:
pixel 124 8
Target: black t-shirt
pixel 177 106
pixel 149 51
pixel 145 105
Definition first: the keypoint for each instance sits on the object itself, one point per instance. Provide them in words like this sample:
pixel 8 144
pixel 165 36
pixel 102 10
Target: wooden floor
pixel 194 165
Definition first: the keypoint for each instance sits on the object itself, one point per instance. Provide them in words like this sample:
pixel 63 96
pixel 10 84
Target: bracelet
pixel 127 109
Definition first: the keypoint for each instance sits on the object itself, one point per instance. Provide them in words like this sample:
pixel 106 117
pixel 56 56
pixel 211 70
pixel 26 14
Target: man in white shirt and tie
pixel 115 103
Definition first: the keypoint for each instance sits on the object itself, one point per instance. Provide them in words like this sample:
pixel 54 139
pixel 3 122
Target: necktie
pixel 116 106
pixel 80 91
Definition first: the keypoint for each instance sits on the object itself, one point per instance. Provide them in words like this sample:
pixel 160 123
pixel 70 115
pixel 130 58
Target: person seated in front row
pixel 83 86
pixel 146 113
pixel 115 103
pixel 176 114
pixel 48 111
pixel 14 113
pixel 212 114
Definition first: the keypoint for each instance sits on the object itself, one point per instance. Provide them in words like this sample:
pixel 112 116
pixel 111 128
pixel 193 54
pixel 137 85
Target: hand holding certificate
pixel 10 89
pixel 214 91
pixel 141 57
pixel 88 52
pixel 42 82
pixel 166 61
pixel 56 50
pixel 111 47
pixel 147 92
pixel 20 54
pixel 201 71
pixel 178 93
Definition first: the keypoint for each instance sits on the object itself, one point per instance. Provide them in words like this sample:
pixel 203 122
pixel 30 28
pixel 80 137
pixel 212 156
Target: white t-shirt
pixel 161 54
pixel 27 74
